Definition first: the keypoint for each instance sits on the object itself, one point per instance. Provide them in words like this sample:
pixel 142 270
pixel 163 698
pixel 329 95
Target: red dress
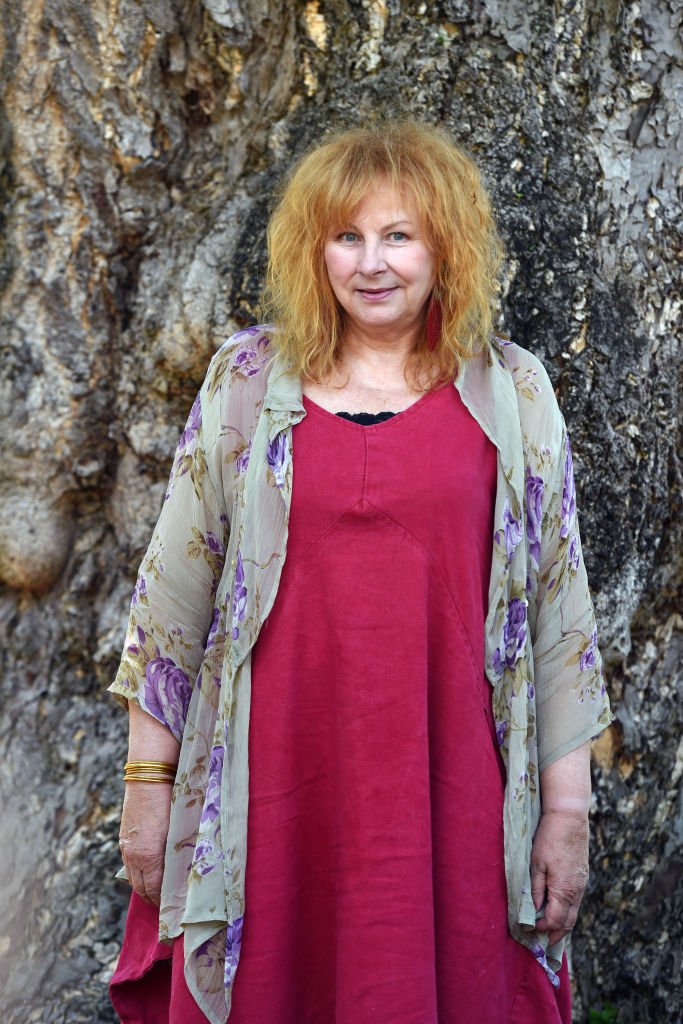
pixel 375 882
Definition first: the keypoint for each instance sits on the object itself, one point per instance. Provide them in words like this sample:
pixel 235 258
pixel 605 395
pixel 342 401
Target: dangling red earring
pixel 434 322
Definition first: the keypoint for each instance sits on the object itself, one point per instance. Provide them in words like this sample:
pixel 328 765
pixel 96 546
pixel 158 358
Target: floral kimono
pixel 209 579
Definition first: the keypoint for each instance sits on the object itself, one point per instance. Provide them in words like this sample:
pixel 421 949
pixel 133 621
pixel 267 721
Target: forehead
pixel 385 202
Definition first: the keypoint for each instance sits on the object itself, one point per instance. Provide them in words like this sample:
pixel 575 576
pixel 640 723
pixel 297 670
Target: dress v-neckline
pixel 312 406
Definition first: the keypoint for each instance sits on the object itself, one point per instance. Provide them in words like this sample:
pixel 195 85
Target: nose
pixel 371 259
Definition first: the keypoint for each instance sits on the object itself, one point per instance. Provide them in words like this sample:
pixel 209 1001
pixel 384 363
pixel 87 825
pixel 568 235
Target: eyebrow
pixel 387 227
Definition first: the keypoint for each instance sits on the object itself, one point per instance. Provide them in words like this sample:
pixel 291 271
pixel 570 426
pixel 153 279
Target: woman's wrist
pixel 145 771
pixel 150 740
pixel 566 784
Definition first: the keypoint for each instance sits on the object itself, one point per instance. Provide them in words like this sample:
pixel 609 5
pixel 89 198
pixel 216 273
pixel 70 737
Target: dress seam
pixel 439 573
pixel 363 500
pixel 365 467
pixel 295 564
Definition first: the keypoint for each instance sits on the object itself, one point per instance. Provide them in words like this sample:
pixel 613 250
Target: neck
pixel 377 357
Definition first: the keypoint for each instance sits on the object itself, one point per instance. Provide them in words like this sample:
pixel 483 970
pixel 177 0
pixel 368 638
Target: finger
pixel 152 882
pixel 570 920
pixel 145 881
pixel 554 917
pixel 554 934
pixel 137 881
pixel 558 918
pixel 538 886
pixel 147 887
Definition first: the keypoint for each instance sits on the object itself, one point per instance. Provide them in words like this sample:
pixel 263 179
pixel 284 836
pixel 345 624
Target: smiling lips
pixel 375 294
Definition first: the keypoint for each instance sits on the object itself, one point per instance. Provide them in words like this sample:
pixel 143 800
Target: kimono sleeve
pixel 172 604
pixel 571 701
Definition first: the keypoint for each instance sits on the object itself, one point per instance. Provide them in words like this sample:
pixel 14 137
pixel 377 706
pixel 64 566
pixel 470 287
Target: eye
pixel 347 236
pixel 398 236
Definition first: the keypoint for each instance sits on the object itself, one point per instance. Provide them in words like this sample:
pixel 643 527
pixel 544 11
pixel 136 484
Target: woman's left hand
pixel 559 870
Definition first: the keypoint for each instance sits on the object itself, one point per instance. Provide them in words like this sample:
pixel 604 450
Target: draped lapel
pixel 488 391
pixel 262 531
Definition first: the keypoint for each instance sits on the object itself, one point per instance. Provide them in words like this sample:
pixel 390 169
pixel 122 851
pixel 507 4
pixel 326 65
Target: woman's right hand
pixel 142 836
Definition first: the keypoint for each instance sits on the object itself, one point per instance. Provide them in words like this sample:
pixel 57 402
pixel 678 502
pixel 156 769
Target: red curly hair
pixel 322 192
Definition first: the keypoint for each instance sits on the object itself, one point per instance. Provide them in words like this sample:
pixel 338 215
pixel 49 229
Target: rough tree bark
pixel 140 141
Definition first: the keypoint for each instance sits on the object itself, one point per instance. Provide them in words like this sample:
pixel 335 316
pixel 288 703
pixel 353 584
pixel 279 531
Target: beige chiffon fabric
pixel 210 577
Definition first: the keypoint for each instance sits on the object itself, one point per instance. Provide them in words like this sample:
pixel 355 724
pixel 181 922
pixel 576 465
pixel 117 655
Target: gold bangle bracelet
pixel 152 775
pixel 162 776
pixel 148 775
pixel 145 778
pixel 149 771
pixel 162 765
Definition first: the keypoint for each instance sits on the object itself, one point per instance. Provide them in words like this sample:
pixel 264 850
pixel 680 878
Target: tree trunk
pixel 140 143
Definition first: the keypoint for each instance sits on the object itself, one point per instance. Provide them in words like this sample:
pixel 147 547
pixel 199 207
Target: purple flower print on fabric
pixel 206 857
pixel 573 555
pixel 278 454
pixel 512 529
pixel 233 944
pixel 498 662
pixel 515 631
pixel 213 629
pixel 538 951
pixel 193 425
pixel 529 377
pixel 186 446
pixel 239 598
pixel 246 361
pixel 134 648
pixel 242 460
pixel 209 960
pixel 534 515
pixel 587 659
pixel 140 591
pixel 167 693
pixel 250 359
pixel 501 732
pixel 514 636
pixel 213 543
pixel 568 493
pixel 208 951
pixel 212 800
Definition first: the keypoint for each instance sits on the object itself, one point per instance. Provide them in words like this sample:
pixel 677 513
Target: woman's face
pixel 380 267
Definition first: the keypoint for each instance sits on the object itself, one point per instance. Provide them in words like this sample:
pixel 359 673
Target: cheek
pixel 338 265
pixel 429 273
pixel 420 268
pixel 423 273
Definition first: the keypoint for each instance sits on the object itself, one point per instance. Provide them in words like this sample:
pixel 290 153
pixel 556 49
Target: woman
pixel 403 703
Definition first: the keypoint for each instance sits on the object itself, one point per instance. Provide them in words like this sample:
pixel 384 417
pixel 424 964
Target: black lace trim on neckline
pixel 366 419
